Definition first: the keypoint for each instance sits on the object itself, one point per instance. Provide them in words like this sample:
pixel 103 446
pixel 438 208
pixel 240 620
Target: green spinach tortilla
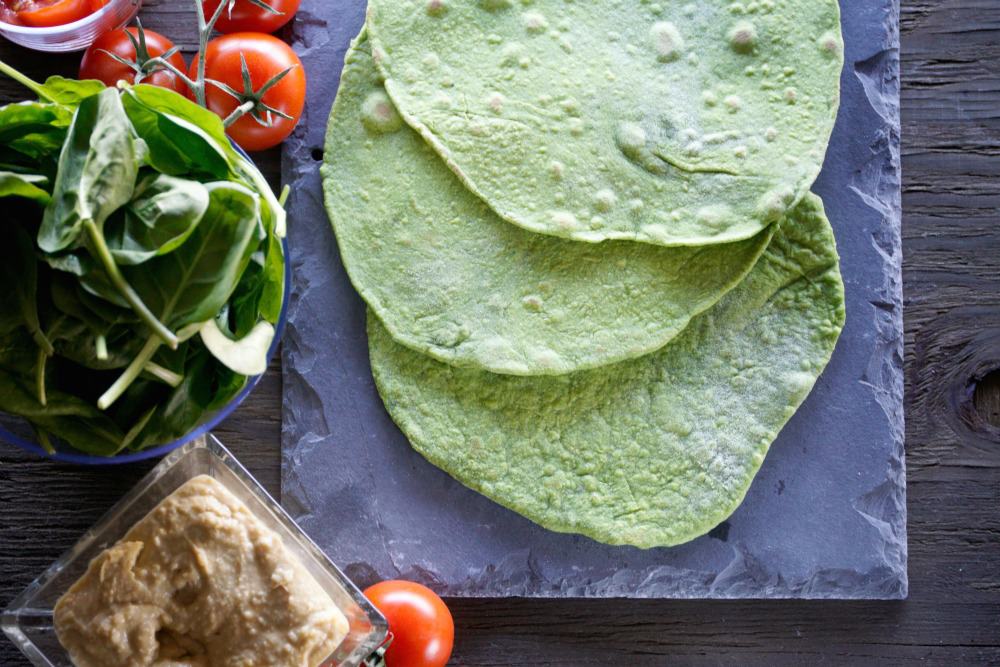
pixel 450 279
pixel 673 123
pixel 649 452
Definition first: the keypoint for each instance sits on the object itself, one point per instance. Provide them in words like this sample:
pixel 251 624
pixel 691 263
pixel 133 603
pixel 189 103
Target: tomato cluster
pixel 245 26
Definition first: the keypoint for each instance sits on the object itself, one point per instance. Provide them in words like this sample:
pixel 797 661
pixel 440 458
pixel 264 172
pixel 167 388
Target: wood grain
pixel 951 227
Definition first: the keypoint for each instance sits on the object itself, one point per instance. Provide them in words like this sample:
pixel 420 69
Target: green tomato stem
pixel 204 32
pixel 238 113
pixel 129 375
pixel 118 280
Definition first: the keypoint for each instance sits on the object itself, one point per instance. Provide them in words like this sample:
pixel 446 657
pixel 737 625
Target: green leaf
pixel 186 404
pixel 173 104
pixel 65 416
pixel 32 135
pixel 70 92
pixel 97 172
pixel 273 294
pixel 28 186
pixel 70 297
pixel 19 271
pixel 260 292
pixel 190 127
pixel 194 281
pixel 161 216
pixel 181 140
pixel 92 278
pixel 24 119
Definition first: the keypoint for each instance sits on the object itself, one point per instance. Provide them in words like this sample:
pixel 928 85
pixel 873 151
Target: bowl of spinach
pixel 144 272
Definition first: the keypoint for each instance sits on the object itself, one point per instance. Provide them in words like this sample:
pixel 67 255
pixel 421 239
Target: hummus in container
pixel 200 581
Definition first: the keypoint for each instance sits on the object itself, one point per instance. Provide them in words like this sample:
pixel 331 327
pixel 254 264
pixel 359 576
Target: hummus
pixel 199 582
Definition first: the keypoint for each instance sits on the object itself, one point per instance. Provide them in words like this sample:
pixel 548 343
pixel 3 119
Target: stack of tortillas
pixel 598 285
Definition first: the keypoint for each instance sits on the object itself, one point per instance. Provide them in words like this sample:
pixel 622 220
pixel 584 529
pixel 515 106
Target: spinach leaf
pixel 19 270
pixel 92 278
pixel 177 106
pixel 69 92
pixel 64 416
pixel 97 172
pixel 193 282
pixel 28 186
pixel 70 297
pixel 177 145
pixel 243 309
pixel 193 127
pixel 81 346
pixel 162 214
pixel 273 293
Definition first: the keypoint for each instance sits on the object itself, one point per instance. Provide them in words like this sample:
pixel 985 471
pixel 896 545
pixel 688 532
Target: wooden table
pixel 951 229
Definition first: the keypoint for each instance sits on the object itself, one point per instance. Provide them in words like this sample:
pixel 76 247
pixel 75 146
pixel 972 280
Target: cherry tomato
pixel 97 64
pixel 248 17
pixel 266 56
pixel 421 625
pixel 46 13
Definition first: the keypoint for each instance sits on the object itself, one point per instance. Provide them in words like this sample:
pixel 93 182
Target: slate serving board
pixel 826 515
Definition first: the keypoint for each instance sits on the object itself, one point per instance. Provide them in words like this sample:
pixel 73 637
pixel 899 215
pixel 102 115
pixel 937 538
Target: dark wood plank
pixel 951 137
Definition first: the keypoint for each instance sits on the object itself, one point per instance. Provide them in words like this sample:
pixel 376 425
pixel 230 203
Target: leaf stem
pixel 40 363
pixel 101 347
pixel 203 33
pixel 118 280
pixel 136 429
pixel 130 374
pixel 31 84
pixel 45 441
pixel 164 375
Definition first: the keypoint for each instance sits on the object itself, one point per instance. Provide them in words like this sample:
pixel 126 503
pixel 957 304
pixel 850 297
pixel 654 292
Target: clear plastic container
pixel 28 621
pixel 77 35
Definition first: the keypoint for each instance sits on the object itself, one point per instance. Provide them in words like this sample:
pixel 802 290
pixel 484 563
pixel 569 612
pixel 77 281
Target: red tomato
pixel 8 15
pixel 421 625
pixel 248 17
pixel 97 64
pixel 266 56
pixel 46 13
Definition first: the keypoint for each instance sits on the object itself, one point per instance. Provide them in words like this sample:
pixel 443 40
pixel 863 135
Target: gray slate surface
pixel 825 517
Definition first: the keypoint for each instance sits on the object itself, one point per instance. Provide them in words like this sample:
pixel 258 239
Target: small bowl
pixel 28 621
pixel 74 36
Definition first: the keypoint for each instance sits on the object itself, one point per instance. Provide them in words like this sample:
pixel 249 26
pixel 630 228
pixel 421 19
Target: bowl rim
pixel 56 30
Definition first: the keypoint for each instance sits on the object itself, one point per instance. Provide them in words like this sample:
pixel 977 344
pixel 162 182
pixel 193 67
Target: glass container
pixel 74 36
pixel 28 621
